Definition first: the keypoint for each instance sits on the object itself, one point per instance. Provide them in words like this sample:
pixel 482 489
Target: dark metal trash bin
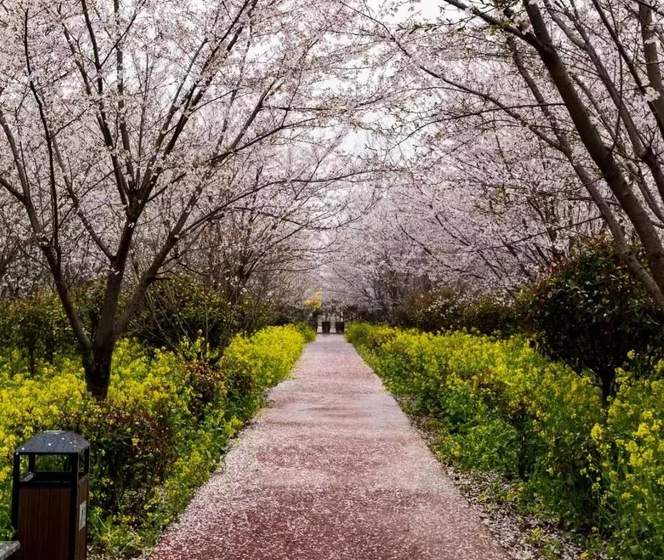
pixel 339 327
pixel 50 497
pixel 327 325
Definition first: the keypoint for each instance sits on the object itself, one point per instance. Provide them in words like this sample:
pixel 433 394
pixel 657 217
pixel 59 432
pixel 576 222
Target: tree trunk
pixel 598 151
pixel 97 365
pixel 607 379
pixel 32 359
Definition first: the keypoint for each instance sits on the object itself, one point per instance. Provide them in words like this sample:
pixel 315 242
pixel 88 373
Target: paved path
pixel 332 471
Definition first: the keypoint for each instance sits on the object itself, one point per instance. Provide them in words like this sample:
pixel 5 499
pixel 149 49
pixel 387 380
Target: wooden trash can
pixel 50 497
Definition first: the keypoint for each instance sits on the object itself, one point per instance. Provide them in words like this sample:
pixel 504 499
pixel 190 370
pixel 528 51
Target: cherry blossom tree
pixel 129 126
pixel 583 79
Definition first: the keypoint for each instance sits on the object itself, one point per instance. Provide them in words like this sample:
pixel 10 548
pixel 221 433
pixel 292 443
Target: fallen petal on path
pixel 332 471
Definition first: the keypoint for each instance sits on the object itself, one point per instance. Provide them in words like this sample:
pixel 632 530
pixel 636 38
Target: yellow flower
pixel 596 432
pixel 642 430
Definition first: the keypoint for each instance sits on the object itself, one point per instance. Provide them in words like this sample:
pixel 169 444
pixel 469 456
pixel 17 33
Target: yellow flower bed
pixel 503 407
pixel 155 439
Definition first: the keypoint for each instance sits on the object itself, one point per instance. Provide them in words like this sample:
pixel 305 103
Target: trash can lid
pixel 55 442
pixel 7 549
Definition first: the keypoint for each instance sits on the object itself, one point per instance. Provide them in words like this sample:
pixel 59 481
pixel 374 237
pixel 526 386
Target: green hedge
pixel 158 436
pixel 502 407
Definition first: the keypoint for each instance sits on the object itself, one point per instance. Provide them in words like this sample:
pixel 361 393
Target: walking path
pixel 332 471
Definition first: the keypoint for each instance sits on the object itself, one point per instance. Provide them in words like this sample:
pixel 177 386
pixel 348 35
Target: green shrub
pixel 369 336
pixel 180 310
pixel 156 438
pixel 358 333
pixel 307 331
pixel 590 313
pixel 452 309
pixel 492 315
pixel 36 328
pixel 431 311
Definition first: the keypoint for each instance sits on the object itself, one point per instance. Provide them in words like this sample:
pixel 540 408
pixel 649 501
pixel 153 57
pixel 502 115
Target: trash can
pixel 50 497
pixel 339 327
pixel 327 326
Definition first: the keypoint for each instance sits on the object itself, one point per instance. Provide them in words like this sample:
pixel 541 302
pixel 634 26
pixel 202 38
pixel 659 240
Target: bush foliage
pixel 181 313
pixel 590 312
pixel 36 327
pixel 451 309
pixel 183 308
pixel 159 434
pixel 503 407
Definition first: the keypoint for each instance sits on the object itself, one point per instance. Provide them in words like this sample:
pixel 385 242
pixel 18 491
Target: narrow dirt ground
pixel 332 470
